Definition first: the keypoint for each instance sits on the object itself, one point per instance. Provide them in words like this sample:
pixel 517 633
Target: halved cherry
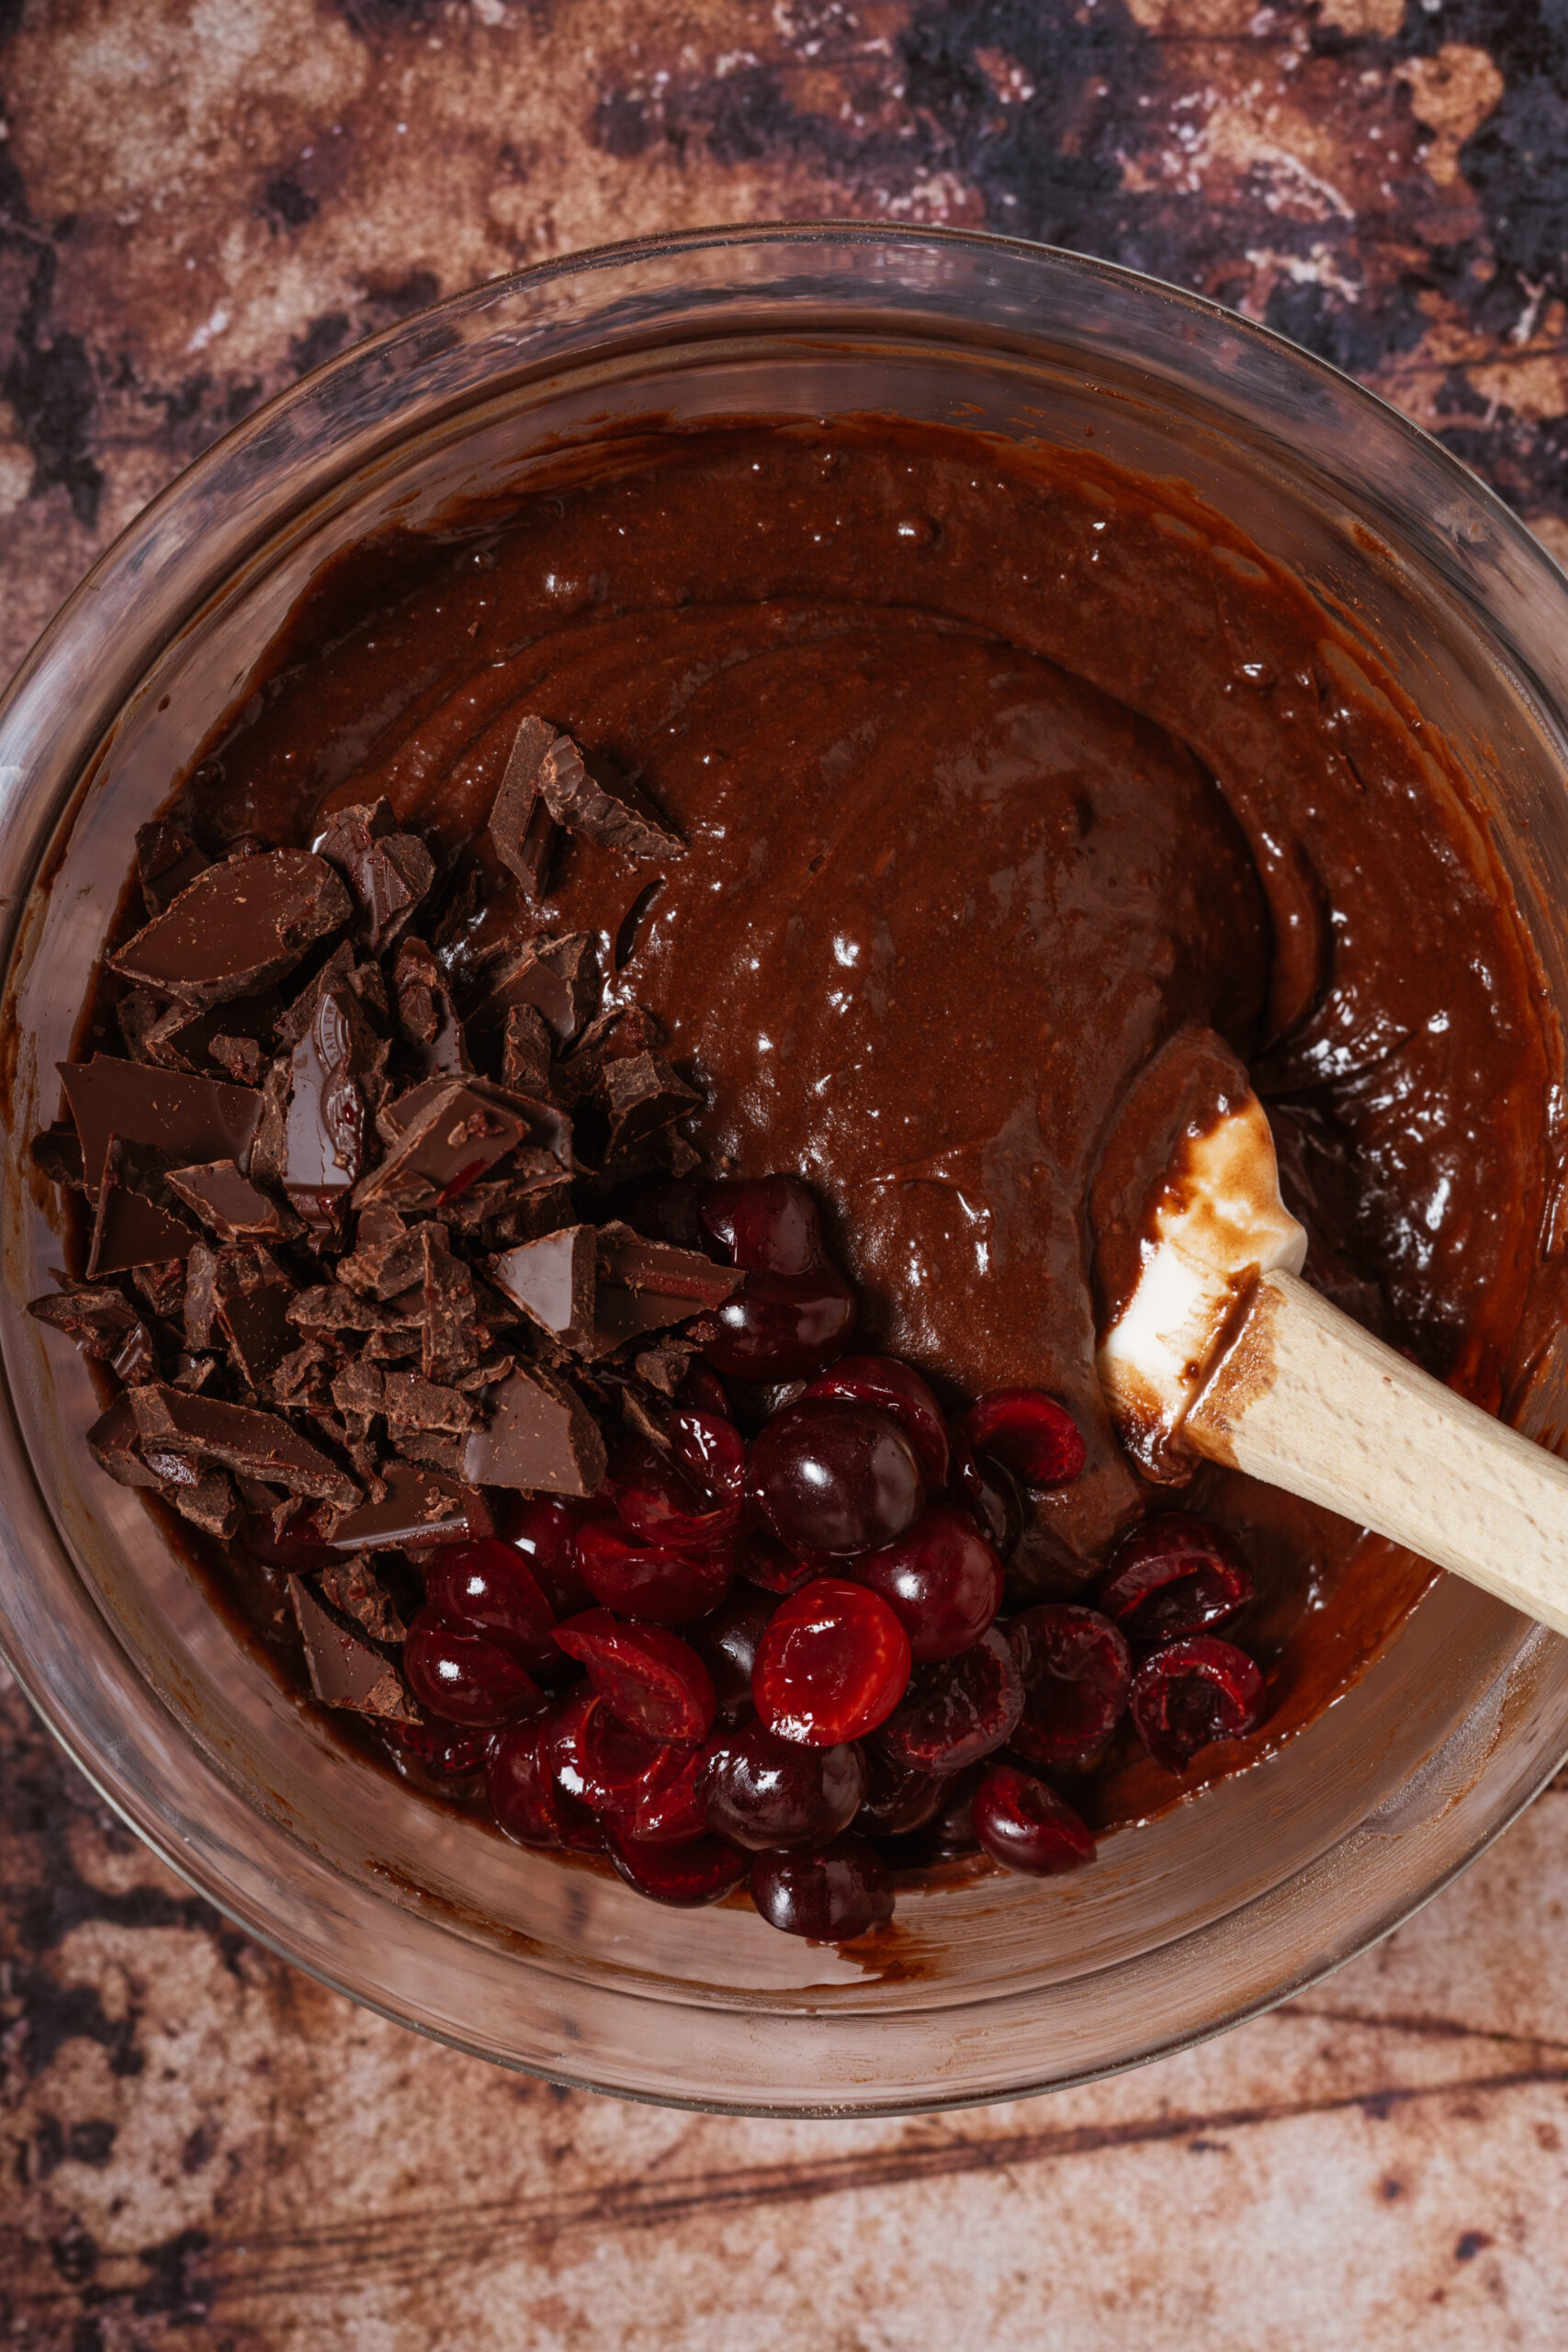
pixel 673 1814
pixel 1027 1432
pixel 1027 1827
pixel 764 1562
pixel 648 1678
pixel 763 1790
pixel 941 1579
pixel 830 1892
pixel 770 1223
pixel 782 1327
pixel 593 1758
pixel 703 1871
pixel 545 1532
pixel 899 1391
pixel 464 1677
pixel 445 1750
pixel 989 1494
pixel 524 1798
pixel 1192 1693
pixel 896 1801
pixel 1174 1575
pixel 648 1580
pixel 833 1664
pixel 489 1588
pixel 957 1712
pixel 1077 1669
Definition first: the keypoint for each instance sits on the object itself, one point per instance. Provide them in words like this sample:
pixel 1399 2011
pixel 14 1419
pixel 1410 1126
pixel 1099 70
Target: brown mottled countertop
pixel 199 2147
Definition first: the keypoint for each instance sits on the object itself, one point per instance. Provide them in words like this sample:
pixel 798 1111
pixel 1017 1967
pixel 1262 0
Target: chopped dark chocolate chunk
pixel 130 1227
pixel 644 1093
pixel 138 1015
pixel 431 1031
pixel 95 1315
pixel 184 1035
pixel 193 1372
pixel 525 1051
pixel 165 861
pixel 238 1438
pixel 114 1442
pixel 558 977
pixel 353 1587
pixel 415 1404
pixel 253 1319
pixel 344 1670
pixel 208 1497
pixel 539 1436
pixel 162 1287
pixel 663 1367
pixel 420 1506
pixel 185 1119
pixel 332 1306
pixel 445 1135
pixel 326 1132
pixel 229 1202
pixel 387 872
pixel 615 815
pixel 552 1280
pixel 521 826
pixel 200 1303
pixel 238 927
pixel 646 1285
pixel 240 1056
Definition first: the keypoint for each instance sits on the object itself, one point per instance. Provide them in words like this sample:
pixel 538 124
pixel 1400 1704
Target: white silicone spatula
pixel 1220 1350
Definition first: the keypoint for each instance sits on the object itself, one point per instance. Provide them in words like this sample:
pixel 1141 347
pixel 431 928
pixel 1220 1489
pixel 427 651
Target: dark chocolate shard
pixel 539 1436
pixel 130 1225
pixel 162 1287
pixel 526 1051
pixel 184 1035
pixel 255 1322
pixel 617 817
pixel 332 1306
pixel 431 1029
pixel 184 1119
pixel 420 1506
pixel 443 1136
pixel 646 1285
pixel 521 826
pixel 644 1093
pixel 240 1056
pixel 57 1155
pixel 207 1497
pixel 553 1280
pixel 200 1302
pixel 137 1015
pixel 353 1587
pixel 326 1133
pixel 114 1442
pixel 229 1202
pixel 165 860
pixel 236 1437
pixel 412 1402
pixel 387 872
pixel 346 1671
pixel 558 977
pixel 663 1367
pixel 238 927
pixel 99 1319
pixel 434 1449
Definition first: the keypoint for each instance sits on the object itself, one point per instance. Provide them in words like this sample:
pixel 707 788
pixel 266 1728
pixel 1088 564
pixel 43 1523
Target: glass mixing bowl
pixel 990 1986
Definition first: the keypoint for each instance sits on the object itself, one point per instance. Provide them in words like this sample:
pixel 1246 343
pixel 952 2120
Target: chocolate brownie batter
pixel 993 767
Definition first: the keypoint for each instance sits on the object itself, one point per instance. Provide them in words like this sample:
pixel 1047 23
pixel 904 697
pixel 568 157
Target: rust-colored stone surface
pixel 200 2148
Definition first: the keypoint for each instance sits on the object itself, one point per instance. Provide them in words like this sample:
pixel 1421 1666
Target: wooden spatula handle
pixel 1306 1400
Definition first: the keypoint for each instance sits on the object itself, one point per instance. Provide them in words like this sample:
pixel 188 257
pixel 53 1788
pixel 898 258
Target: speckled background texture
pixel 201 2149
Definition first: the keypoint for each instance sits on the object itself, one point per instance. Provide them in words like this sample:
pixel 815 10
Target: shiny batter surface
pixel 994 768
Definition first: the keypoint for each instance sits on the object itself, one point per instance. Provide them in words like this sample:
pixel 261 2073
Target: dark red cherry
pixel 941 1580
pixel 1027 1432
pixel 896 1801
pixel 662 1503
pixel 833 1664
pixel 1077 1668
pixel 593 1757
pixel 832 1892
pixel 1193 1692
pixel 648 1678
pixel 833 1476
pixel 1026 1826
pixel 763 1790
pixel 464 1677
pixel 297 1549
pixel 782 1327
pixel 989 1494
pixel 644 1581
pixel 710 1450
pixel 524 1798
pixel 445 1750
pixel 894 1389
pixel 769 1223
pixel 767 1565
pixel 686 1875
pixel 1174 1575
pixel 703 1391
pixel 725 1641
pixel 489 1587
pixel 957 1712
pixel 545 1532
pixel 675 1814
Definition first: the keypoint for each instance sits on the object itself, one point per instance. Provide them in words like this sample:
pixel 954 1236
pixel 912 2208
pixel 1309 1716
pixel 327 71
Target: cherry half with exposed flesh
pixel 833 1664
pixel 686 1875
pixel 958 1711
pixel 1027 1827
pixel 648 1676
pixel 545 1532
pixel 830 1475
pixel 445 1750
pixel 650 1580
pixel 1029 1433
pixel 1077 1670
pixel 941 1579
pixel 688 1497
pixel 527 1804
pixel 1174 1575
pixel 830 1892
pixel 899 1391
pixel 763 1790
pixel 673 1813
pixel 896 1801
pixel 1192 1693
pixel 464 1677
